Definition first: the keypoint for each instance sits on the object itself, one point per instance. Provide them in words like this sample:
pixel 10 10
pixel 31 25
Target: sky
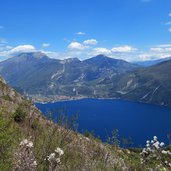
pixel 132 30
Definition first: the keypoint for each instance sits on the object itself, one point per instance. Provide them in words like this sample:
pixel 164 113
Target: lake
pixel 136 120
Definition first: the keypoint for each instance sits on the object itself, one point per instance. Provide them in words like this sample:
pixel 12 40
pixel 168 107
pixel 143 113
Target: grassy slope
pixel 80 153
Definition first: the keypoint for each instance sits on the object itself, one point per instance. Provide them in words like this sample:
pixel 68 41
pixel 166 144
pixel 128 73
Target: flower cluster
pixel 55 158
pixel 24 157
pixel 26 143
pixel 154 150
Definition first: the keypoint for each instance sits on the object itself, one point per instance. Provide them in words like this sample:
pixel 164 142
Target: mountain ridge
pixel 46 79
pixel 38 76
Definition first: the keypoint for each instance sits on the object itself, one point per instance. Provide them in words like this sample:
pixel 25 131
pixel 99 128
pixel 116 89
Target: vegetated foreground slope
pixel 20 119
pixel 28 142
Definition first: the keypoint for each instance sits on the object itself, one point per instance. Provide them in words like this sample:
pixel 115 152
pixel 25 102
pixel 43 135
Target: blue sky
pixel 127 29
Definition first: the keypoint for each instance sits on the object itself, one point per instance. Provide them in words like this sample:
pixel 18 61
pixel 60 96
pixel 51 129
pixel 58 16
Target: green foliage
pixel 89 134
pixel 7 97
pixel 114 138
pixel 19 114
pixel 8 139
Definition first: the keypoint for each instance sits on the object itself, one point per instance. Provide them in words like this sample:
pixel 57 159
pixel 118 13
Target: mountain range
pixel 42 78
pixel 151 62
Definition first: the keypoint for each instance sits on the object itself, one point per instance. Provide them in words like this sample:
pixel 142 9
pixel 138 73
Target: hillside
pixel 20 120
pixel 150 85
pixel 28 139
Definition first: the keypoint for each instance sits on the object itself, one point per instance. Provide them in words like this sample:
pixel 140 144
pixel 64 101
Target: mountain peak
pixel 32 55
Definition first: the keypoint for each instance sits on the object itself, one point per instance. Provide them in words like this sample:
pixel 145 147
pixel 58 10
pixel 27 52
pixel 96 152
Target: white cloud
pixel 169 29
pixel 156 49
pixel 158 52
pixel 90 42
pixel 22 48
pixel 5 48
pixel 169 14
pixel 82 51
pixel 76 46
pixel 9 51
pixel 164 45
pixel 123 49
pixel 45 45
pixel 81 33
pixel 101 50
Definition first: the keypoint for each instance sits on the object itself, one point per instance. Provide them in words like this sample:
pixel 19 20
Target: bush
pixel 19 114
pixel 8 137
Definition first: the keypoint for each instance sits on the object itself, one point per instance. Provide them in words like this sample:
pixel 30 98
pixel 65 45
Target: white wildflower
pixel 58 160
pixel 59 151
pixel 30 144
pixel 24 142
pixel 164 152
pixel 147 145
pixel 148 142
pixel 149 149
pixel 51 156
pixel 162 144
pixel 55 159
pixel 152 141
pixel 156 145
pixel 35 163
pixel 166 162
pixel 155 138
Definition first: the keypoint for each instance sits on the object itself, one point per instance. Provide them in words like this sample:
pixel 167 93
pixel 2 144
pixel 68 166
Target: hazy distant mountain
pixel 35 73
pixel 151 84
pixel 151 62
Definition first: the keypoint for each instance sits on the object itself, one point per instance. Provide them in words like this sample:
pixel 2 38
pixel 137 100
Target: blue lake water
pixel 136 120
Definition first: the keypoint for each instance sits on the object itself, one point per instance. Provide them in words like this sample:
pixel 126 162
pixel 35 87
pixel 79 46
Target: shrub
pixel 19 114
pixel 8 137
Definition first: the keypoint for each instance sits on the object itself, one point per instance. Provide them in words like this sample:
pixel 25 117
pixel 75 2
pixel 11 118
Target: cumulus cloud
pixel 83 51
pixel 45 45
pixel 123 49
pixel 101 50
pixel 80 33
pixel 9 51
pixel 157 52
pixel 76 46
pixel 22 48
pixel 90 42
